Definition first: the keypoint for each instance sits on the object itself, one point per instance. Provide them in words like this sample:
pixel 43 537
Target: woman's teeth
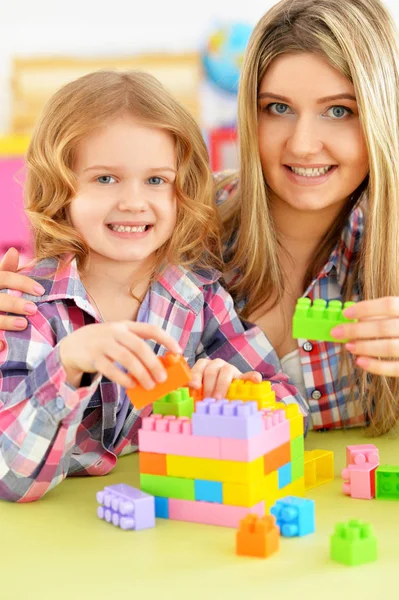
pixel 310 172
pixel 127 229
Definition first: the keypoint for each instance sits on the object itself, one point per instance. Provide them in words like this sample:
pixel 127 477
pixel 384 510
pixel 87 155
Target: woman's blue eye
pixel 155 180
pixel 106 179
pixel 278 108
pixel 337 112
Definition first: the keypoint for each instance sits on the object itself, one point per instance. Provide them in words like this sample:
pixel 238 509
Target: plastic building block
pixel 224 419
pixel 239 494
pixel 126 507
pixel 319 468
pixel 167 487
pixel 296 420
pixel 196 395
pixel 168 435
pixel 295 488
pixel 261 393
pixel 178 403
pixel 284 476
pixel 314 322
pixel 226 471
pixel 209 491
pixel 295 516
pixel 387 482
pixel 270 489
pixel 297 448
pixel 275 432
pixel 210 513
pixel 161 507
pixel 154 464
pixel 361 454
pixel 276 458
pixel 257 536
pixel 359 481
pixel 353 543
pixel 179 375
pixel 297 468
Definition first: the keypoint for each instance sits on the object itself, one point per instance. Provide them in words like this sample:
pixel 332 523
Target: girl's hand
pixel 13 281
pixel 96 348
pixel 376 334
pixel 216 375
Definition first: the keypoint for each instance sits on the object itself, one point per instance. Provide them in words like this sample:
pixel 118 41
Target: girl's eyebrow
pixel 114 168
pixel 344 96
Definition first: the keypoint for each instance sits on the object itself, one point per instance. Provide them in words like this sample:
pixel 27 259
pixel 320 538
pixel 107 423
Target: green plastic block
pixel 168 487
pixel 177 403
pixel 297 448
pixel 353 543
pixel 387 482
pixel 297 468
pixel 315 321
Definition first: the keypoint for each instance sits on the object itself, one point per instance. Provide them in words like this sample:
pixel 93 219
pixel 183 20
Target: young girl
pixel 119 195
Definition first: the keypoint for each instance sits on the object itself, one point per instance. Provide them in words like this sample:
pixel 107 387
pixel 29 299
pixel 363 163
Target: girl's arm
pixel 39 412
pixel 245 346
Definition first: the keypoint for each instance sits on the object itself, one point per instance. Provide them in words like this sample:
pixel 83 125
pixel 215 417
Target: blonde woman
pixel 314 209
pixel 119 193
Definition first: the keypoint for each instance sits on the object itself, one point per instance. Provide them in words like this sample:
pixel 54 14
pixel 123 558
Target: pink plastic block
pixel 210 513
pixel 359 481
pixel 275 433
pixel 361 454
pixel 224 419
pixel 171 435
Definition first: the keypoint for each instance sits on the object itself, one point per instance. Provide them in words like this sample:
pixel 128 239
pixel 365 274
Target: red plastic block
pixel 171 435
pixel 275 433
pixel 257 536
pixel 210 513
pixel 277 458
pixel 359 481
pixel 361 454
pixel 154 464
pixel 179 375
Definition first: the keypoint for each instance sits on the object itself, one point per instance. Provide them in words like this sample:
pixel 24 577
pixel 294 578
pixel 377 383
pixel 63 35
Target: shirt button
pixel 308 347
pixel 316 395
pixel 60 403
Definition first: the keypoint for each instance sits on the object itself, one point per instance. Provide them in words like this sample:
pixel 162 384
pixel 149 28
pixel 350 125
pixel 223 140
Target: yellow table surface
pixel 58 548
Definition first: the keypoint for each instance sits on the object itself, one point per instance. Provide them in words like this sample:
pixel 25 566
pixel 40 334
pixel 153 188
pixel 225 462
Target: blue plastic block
pixel 295 516
pixel 284 475
pixel 126 507
pixel 224 419
pixel 161 507
pixel 208 491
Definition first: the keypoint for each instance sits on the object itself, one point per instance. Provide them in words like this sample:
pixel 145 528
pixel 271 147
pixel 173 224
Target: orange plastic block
pixel 277 457
pixel 153 464
pixel 179 374
pixel 197 395
pixel 257 536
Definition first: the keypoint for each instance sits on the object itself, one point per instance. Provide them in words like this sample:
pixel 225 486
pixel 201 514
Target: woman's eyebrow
pixel 344 96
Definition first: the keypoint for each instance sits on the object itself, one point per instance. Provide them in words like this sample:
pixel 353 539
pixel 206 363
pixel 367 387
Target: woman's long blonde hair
pixel 358 38
pixel 73 113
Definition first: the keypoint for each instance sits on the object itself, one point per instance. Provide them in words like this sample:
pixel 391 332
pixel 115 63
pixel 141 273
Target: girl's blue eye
pixel 338 112
pixel 155 180
pixel 106 179
pixel 277 108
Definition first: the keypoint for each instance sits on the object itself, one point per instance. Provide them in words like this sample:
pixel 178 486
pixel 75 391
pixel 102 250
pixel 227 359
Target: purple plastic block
pixel 224 419
pixel 126 507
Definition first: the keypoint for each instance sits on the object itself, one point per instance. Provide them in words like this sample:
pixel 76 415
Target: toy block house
pixel 228 459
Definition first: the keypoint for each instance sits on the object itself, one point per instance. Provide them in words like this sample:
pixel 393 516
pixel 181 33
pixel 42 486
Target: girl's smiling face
pixel 125 206
pixel 311 143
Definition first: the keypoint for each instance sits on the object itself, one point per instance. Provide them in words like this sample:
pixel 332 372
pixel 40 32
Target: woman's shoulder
pixel 226 185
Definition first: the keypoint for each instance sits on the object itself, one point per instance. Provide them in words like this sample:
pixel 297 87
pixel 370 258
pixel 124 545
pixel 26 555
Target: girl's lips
pixel 306 181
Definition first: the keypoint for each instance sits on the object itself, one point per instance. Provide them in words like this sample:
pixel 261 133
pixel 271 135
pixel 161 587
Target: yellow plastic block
pixel 295 488
pixel 319 468
pixel 296 427
pixel 238 494
pixel 13 145
pixel 246 391
pixel 225 471
pixel 270 489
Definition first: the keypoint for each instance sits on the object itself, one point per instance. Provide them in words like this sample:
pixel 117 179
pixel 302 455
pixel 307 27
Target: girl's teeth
pixel 126 229
pixel 310 172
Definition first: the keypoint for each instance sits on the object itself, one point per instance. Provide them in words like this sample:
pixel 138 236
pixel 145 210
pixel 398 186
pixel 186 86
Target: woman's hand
pixel 98 347
pixel 216 376
pixel 374 339
pixel 9 279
